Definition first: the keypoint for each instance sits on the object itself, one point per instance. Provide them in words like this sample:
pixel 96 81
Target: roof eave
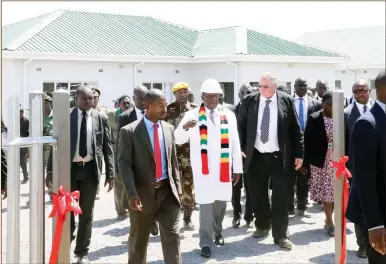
pixel 360 66
pixel 171 59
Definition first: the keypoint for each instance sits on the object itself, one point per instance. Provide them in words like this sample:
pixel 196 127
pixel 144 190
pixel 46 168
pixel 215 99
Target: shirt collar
pixel 305 98
pixel 149 124
pixel 88 112
pixel 382 105
pixel 273 98
pixel 207 110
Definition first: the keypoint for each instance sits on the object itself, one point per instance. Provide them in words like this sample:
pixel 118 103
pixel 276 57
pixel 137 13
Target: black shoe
pixel 362 253
pixel 236 222
pixel 205 252
pixel 154 229
pixel 302 213
pixel 291 212
pixel 248 223
pixel 283 243
pixel 219 240
pixel 188 225
pixel 25 180
pixel 83 260
pixel 72 238
pixel 260 233
pixel 122 217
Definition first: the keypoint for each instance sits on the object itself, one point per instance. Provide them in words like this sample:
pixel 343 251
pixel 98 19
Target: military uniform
pixel 174 117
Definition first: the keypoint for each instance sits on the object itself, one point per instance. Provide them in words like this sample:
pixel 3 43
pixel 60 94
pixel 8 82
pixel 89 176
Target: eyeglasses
pixel 360 91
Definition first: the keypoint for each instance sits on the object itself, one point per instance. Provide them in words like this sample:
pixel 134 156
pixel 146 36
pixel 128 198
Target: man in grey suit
pixel 148 165
pixel 90 140
pixel 360 105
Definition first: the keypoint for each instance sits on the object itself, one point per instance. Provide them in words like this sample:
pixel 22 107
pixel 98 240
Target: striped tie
pixel 301 114
pixel 364 108
pixel 264 128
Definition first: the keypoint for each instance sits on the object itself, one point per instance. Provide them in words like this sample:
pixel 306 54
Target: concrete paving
pixel 110 239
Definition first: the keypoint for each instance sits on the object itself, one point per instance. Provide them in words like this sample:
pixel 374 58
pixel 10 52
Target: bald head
pixel 281 88
pixel 139 95
pixel 153 95
pixel 321 87
pixel 360 82
pixel 301 86
pixel 244 90
pixel 361 92
pixel 84 97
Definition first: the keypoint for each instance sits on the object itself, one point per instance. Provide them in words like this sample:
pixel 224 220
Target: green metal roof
pixel 75 32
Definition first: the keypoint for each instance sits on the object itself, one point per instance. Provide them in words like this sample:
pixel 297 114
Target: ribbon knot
pixel 62 202
pixel 341 168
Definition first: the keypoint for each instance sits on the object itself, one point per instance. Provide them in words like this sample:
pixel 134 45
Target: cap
pixel 47 97
pixel 211 86
pixel 97 92
pixel 180 86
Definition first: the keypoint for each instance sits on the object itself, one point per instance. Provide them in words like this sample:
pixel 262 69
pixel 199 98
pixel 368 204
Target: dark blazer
pixel 3 127
pixel 313 106
pixel 315 141
pixel 289 132
pixel 127 117
pixel 3 161
pixel 101 144
pixel 137 164
pixel 230 107
pixel 367 197
pixel 351 114
pixel 24 127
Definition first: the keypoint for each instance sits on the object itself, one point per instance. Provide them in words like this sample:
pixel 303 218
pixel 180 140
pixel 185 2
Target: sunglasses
pixel 360 91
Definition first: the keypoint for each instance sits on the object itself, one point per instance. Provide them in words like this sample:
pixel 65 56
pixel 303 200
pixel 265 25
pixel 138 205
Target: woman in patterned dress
pixel 318 137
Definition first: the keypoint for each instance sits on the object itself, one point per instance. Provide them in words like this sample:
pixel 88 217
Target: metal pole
pixel 339 151
pixel 36 180
pixel 13 185
pixel 61 162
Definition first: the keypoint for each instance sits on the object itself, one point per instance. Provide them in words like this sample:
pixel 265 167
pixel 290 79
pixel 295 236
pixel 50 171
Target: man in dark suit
pixel 148 164
pixel 24 132
pixel 90 139
pixel 305 106
pixel 321 88
pixel 367 202
pixel 360 105
pixel 3 165
pixel 244 90
pixel 268 127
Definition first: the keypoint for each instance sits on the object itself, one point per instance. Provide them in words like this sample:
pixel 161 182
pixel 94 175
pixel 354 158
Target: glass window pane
pixel 62 86
pixel 48 87
pixel 157 86
pixel 74 86
pixel 148 85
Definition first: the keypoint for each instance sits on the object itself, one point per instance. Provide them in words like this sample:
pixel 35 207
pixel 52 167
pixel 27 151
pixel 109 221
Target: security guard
pixel 176 112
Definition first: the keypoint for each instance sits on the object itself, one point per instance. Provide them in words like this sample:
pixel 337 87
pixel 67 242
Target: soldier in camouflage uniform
pixel 176 112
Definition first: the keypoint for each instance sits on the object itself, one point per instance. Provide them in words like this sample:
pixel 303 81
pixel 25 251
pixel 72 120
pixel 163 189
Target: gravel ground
pixel 109 241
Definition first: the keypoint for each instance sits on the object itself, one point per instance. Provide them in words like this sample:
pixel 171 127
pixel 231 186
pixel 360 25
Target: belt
pixel 160 184
pixel 82 163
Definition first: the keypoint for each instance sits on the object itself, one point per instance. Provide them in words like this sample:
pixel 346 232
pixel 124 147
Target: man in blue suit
pixel 367 203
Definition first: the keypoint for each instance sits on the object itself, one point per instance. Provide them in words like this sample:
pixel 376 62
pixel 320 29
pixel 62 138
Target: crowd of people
pixel 162 158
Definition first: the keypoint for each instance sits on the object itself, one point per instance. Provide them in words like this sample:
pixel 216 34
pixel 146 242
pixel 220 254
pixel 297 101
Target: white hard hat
pixel 211 86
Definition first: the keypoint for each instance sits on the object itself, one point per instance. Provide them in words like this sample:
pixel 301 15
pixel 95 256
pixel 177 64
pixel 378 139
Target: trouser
pixel 265 166
pixel 46 155
pixel 211 218
pixel 84 179
pixel 100 160
pixel 23 162
pixel 361 240
pixel 120 199
pixel 236 203
pixel 187 186
pixel 301 182
pixel 373 256
pixel 166 210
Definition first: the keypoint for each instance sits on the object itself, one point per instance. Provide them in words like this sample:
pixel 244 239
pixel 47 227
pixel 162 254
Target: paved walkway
pixel 109 241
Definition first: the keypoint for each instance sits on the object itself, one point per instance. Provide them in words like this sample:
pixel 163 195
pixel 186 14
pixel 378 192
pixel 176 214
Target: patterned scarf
pixel 224 158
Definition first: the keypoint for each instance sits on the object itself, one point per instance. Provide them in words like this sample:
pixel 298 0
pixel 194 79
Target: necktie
pixel 157 153
pixel 364 108
pixel 301 114
pixel 264 128
pixel 83 136
pixel 212 117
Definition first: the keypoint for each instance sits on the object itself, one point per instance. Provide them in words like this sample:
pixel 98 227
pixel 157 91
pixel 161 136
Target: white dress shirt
pixel 138 113
pixel 77 157
pixel 305 107
pixel 361 106
pixel 272 145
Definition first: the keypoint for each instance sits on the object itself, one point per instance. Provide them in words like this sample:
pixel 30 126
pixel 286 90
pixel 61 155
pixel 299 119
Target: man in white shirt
pixel 272 141
pixel 215 151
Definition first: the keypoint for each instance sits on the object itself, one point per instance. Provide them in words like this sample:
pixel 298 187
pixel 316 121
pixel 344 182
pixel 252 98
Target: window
pixel 150 85
pixel 338 84
pixel 48 87
pixel 254 84
pixel 62 86
pixel 157 86
pixel 372 84
pixel 229 92
pixel 52 86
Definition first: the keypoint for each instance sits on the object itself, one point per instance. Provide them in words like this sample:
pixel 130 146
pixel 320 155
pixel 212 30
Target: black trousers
pixel 84 180
pixel 361 239
pixel 301 181
pixel 265 166
pixel 236 200
pixel 373 256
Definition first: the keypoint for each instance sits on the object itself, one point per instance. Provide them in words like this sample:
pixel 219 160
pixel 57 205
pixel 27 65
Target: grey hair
pixel 269 76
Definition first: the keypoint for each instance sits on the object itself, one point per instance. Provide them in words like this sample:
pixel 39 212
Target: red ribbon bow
pixel 63 202
pixel 341 170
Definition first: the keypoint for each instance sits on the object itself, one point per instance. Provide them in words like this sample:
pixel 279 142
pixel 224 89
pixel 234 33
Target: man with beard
pixel 245 89
pixel 176 112
pixel 149 169
pixel 113 115
pixel 305 106
pixel 360 105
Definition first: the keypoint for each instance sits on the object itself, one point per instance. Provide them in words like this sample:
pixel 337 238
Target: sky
pixel 287 20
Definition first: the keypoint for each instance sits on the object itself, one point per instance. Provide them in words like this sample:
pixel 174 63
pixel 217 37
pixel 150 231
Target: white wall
pixel 348 78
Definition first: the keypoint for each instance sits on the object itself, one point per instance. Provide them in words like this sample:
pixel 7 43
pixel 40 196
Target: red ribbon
pixel 341 170
pixel 63 202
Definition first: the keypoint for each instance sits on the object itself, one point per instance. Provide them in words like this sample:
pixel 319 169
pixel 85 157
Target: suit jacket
pixel 289 132
pixel 3 127
pixel 315 141
pixel 137 164
pixel 351 114
pixel 367 197
pixel 101 142
pixel 24 127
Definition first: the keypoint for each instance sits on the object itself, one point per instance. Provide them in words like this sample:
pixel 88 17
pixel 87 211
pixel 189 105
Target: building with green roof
pixel 116 52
